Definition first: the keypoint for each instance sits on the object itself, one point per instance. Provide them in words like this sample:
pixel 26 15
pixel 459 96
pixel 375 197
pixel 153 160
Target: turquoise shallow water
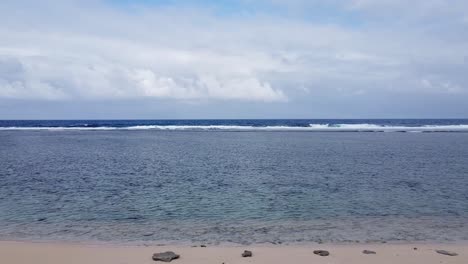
pixel 157 186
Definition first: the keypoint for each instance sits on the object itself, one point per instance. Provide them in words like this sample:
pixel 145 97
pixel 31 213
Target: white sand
pixel 56 253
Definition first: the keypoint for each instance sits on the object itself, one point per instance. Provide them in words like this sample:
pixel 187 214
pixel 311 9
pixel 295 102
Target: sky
pixel 169 59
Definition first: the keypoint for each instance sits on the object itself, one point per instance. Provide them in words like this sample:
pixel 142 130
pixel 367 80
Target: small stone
pixel 167 256
pixel 445 252
pixel 415 248
pixel 247 253
pixel 322 253
pixel 368 252
pixel 202 245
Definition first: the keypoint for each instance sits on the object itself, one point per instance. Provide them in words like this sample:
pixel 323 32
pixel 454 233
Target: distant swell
pixel 310 128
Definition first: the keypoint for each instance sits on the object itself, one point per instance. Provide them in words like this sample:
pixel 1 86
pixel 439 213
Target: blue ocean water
pixel 311 125
pixel 234 181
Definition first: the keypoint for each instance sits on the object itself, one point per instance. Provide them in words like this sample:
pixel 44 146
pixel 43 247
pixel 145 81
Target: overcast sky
pixel 233 59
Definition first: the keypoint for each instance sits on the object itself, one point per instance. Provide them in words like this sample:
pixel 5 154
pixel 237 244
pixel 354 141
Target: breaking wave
pixel 310 128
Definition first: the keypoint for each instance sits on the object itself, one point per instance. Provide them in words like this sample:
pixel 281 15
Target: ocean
pixel 234 181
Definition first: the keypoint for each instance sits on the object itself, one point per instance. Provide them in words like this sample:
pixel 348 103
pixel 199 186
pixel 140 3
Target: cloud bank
pixel 262 51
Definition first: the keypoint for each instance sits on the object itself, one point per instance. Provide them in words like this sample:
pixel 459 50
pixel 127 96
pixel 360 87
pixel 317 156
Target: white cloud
pixel 86 50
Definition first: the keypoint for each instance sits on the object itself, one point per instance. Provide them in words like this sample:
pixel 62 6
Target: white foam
pixel 384 128
pixel 58 128
pixel 318 126
pixel 311 127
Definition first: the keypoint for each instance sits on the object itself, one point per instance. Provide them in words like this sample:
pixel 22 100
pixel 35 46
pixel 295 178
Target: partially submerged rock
pixel 322 253
pixel 167 256
pixel 368 252
pixel 247 253
pixel 445 252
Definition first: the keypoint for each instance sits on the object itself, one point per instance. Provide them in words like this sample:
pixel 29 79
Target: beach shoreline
pixel 18 252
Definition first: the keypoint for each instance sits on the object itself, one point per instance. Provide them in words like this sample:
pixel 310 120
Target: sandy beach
pixel 55 253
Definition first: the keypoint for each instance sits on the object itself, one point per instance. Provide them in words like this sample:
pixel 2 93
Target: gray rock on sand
pixel 167 256
pixel 368 252
pixel 322 253
pixel 247 253
pixel 445 252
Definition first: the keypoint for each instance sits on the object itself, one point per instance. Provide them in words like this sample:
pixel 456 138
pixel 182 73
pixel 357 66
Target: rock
pixel 148 234
pixel 445 252
pixel 41 219
pixel 368 252
pixel 415 248
pixel 202 245
pixel 322 253
pixel 247 253
pixel 167 256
